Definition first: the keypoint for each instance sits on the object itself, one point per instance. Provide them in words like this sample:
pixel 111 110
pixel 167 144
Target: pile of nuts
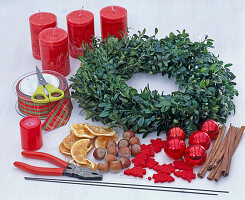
pixel 121 149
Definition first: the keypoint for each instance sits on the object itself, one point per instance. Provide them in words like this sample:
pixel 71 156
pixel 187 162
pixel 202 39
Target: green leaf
pixel 156 31
pixel 202 85
pixel 101 105
pixel 141 122
pixel 105 113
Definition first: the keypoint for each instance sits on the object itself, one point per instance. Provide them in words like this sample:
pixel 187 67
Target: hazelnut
pixel 124 152
pixel 111 143
pixel 136 149
pixel 123 143
pixel 99 153
pixel 115 166
pixel 103 167
pixel 127 135
pixel 134 140
pixel 125 162
pixel 109 158
pixel 112 150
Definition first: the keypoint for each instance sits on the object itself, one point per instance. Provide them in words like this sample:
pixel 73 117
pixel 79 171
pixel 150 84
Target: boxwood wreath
pixel 206 89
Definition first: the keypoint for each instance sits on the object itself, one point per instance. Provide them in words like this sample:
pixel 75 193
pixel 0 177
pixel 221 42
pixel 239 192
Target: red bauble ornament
pixel 211 127
pixel 200 137
pixel 175 148
pixel 195 155
pixel 176 132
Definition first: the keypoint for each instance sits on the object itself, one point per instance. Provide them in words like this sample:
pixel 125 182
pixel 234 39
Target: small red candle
pixel 38 22
pixel 54 50
pixel 31 133
pixel 80 25
pixel 113 21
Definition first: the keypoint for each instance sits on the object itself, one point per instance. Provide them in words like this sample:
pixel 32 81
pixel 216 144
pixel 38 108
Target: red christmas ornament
pixel 176 132
pixel 195 155
pixel 200 137
pixel 211 127
pixel 175 148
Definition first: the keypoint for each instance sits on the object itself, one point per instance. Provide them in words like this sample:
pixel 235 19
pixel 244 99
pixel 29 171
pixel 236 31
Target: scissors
pixel 54 94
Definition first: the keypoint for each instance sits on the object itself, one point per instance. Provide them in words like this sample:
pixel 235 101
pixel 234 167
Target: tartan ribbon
pixel 56 113
pixel 60 114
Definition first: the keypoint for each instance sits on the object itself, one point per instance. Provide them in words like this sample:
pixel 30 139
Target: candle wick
pixel 81 11
pixel 40 13
pixel 54 30
pixel 112 9
pixel 29 123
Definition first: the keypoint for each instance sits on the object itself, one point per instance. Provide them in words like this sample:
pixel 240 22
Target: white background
pixel 222 19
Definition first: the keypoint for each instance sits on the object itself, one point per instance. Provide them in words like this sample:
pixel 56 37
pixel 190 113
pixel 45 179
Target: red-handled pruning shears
pixel 66 168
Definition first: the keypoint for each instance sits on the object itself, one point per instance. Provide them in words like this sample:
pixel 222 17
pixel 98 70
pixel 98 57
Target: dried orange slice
pixel 90 148
pixel 79 150
pixel 72 133
pixel 68 141
pixel 102 141
pixel 64 150
pixel 100 131
pixel 89 164
pixel 81 131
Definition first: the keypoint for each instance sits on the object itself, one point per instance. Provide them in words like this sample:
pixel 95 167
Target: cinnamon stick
pixel 217 172
pixel 213 151
pixel 220 153
pixel 227 152
pixel 238 137
pixel 233 145
pixel 213 172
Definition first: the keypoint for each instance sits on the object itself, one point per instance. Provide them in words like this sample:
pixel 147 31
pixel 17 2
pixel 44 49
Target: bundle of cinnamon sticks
pixel 220 156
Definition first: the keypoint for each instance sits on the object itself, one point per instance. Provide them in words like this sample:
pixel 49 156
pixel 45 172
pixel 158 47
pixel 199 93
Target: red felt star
pixel 162 177
pixel 140 160
pixel 158 144
pixel 135 171
pixel 147 149
pixel 185 174
pixel 181 164
pixel 150 163
pixel 167 169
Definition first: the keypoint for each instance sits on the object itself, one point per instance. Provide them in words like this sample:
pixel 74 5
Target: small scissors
pixel 50 88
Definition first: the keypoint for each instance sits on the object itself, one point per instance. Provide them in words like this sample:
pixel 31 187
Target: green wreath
pixel 205 84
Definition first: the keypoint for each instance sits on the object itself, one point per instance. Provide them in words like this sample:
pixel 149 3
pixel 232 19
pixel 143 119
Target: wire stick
pixel 115 185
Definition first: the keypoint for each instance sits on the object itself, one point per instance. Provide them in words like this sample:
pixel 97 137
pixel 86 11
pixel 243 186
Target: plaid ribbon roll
pixel 57 113
pixel 60 114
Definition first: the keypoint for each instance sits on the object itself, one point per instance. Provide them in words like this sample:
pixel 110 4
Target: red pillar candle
pixel 54 50
pixel 31 133
pixel 113 21
pixel 39 22
pixel 80 25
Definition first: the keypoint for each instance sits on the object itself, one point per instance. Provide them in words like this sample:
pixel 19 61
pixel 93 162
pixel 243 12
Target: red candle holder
pixel 31 133
pixel 39 22
pixel 54 50
pixel 113 21
pixel 80 25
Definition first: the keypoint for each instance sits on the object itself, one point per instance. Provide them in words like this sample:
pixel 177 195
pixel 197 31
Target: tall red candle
pixel 31 133
pixel 113 21
pixel 38 22
pixel 54 50
pixel 80 25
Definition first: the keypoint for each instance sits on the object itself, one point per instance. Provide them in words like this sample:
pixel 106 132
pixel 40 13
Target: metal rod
pixel 113 186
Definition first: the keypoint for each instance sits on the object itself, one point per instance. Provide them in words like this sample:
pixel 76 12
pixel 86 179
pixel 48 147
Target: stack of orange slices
pixel 81 140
